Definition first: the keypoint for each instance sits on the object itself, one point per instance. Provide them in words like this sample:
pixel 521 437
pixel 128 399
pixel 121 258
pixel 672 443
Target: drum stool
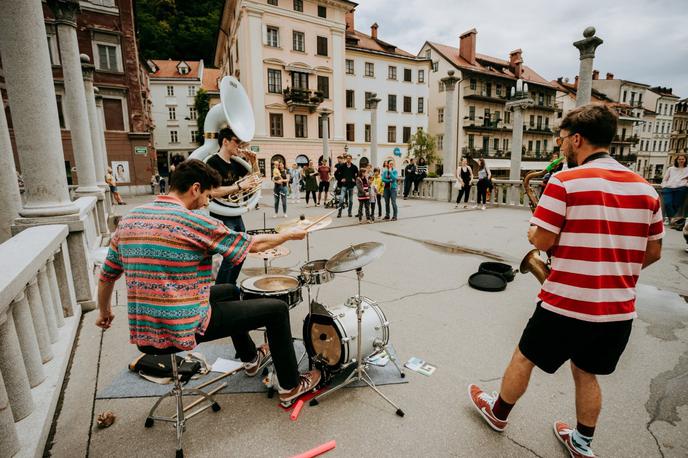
pixel 177 391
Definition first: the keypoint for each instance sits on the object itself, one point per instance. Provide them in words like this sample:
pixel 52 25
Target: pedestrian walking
pixel 484 183
pixel 311 183
pixel 675 188
pixel 464 176
pixel 363 188
pixel 281 181
pixel 587 303
pixel 409 176
pixel 294 180
pixel 389 179
pixel 325 176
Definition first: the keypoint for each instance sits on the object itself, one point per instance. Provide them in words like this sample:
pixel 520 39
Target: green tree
pixel 423 145
pixel 202 104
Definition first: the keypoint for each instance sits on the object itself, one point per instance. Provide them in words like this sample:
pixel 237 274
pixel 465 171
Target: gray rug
pixel 127 384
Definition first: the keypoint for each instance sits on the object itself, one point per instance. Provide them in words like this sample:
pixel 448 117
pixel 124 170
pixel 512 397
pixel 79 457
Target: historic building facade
pixel 679 131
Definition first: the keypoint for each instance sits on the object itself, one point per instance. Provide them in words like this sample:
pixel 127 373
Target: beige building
pixel 289 55
pixel 484 125
pixel 679 131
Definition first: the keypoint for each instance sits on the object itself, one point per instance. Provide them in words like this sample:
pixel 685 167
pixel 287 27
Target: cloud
pixel 644 40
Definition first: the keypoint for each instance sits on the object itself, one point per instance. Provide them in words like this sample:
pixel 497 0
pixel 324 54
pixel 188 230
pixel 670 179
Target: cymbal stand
pixel 359 373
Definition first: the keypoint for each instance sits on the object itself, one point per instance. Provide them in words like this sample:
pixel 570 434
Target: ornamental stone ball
pixel 589 32
pixel 85 59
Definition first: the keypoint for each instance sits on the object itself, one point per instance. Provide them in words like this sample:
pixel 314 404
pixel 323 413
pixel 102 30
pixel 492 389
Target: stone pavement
pixel 421 284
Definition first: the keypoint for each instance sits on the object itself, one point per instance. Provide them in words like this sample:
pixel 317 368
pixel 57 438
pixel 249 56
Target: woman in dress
pixel 311 183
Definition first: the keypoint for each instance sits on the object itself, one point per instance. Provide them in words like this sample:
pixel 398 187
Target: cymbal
pixel 304 224
pixel 277 252
pixel 355 257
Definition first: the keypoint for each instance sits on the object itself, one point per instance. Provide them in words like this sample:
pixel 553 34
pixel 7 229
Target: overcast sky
pixel 644 40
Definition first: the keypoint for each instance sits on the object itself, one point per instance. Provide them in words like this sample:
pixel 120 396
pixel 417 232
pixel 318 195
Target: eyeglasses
pixel 560 140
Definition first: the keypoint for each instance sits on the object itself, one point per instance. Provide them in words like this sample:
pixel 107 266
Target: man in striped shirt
pixel 164 249
pixel 601 224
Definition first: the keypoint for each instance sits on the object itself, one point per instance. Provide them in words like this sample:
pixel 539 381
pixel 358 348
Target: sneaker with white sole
pixel 263 357
pixel 308 381
pixel 483 403
pixel 565 435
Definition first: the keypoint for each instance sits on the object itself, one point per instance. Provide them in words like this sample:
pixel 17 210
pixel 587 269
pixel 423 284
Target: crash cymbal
pixel 277 252
pixel 309 224
pixel 355 257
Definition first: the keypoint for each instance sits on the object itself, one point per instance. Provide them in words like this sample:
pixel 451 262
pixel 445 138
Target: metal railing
pixel 39 316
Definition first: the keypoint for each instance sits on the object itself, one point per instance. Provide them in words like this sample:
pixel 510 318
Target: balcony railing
pixel 302 98
pixel 632 139
pixel 480 124
pixel 484 95
pixel 538 130
pixel 491 153
pixel 546 106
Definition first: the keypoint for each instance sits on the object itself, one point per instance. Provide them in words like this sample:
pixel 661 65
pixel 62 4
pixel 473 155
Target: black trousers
pixel 482 190
pixel 465 191
pixel 363 204
pixel 234 318
pixel 408 182
pixel 229 273
pixel 308 193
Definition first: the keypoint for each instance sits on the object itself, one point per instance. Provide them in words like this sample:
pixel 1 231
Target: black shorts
pixel 324 186
pixel 550 339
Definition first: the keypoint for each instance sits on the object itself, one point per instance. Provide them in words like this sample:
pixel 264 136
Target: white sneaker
pixel 474 206
pixel 483 208
pixel 274 216
pixel 284 216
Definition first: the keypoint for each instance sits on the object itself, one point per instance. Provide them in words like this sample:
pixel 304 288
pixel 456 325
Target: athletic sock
pixel 582 436
pixel 501 408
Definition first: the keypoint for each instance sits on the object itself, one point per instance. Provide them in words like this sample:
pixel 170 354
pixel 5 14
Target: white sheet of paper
pixel 225 365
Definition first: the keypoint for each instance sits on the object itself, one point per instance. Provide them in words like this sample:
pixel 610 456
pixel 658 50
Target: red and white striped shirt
pixel 604 215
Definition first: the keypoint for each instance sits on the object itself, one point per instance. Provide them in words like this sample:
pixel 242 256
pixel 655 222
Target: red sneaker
pixel 483 403
pixel 564 433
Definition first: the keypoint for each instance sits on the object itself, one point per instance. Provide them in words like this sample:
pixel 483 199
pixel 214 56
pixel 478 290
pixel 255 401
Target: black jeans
pixel 465 191
pixel 315 200
pixel 229 273
pixel 363 204
pixel 483 184
pixel 234 318
pixel 408 182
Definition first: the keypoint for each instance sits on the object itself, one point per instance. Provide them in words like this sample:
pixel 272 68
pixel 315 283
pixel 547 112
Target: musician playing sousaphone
pixel 164 248
pixel 233 182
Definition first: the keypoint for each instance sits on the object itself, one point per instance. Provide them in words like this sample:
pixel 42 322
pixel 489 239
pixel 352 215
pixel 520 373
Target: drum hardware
pixel 362 253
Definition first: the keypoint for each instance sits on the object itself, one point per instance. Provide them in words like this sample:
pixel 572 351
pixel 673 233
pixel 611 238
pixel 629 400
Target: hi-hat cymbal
pixel 308 224
pixel 355 257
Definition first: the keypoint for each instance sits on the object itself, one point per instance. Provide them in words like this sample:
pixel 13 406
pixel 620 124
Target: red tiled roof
pixel 168 69
pixel 366 42
pixel 483 65
pixel 211 79
pixel 596 96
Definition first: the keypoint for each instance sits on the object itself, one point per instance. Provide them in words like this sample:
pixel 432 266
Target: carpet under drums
pixel 128 384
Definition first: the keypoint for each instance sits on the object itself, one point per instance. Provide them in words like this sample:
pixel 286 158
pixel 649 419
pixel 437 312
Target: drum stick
pixel 297 410
pixel 318 220
pixel 326 447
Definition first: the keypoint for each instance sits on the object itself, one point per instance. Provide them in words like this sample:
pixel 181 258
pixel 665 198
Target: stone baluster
pixel 55 292
pixel 47 301
pixel 13 370
pixel 9 442
pixel 63 273
pixel 39 322
pixel 27 340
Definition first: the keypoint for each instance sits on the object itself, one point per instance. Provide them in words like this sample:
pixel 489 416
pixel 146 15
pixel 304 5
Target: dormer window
pixel 183 68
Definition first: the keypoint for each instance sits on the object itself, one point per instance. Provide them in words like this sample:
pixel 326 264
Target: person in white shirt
pixel 675 189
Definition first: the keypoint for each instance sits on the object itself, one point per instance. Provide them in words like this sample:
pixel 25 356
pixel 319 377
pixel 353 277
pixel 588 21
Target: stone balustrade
pixel 39 317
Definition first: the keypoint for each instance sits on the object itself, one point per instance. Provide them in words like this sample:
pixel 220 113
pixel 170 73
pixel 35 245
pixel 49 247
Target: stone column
pixel 31 93
pixel 449 143
pixel 13 370
pixel 373 101
pixel 10 199
pixel 75 99
pixel 9 442
pixel 324 116
pixel 586 47
pixel 519 102
pixel 101 130
pixel 27 340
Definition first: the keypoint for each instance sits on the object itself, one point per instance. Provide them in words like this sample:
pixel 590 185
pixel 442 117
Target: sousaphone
pixel 234 110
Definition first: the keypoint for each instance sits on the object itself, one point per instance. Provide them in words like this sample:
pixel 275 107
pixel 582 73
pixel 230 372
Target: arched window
pixel 302 160
pixel 277 158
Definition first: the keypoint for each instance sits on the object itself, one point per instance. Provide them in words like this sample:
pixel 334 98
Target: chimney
pixel 373 31
pixel 595 74
pixel 467 46
pixel 516 62
pixel 349 18
pixel 610 76
pixel 575 84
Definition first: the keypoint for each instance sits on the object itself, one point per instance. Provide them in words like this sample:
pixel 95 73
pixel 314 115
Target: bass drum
pixel 331 339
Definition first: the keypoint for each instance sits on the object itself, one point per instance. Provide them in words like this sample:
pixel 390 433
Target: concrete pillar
pixel 13 370
pixel 27 340
pixel 449 144
pixel 10 199
pixel 586 47
pixel 39 323
pixel 324 116
pixel 31 94
pixel 518 103
pixel 373 101
pixel 87 69
pixel 9 442
pixel 74 101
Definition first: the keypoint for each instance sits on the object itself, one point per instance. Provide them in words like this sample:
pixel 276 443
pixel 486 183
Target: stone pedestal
pixel 450 139
pixel 373 101
pixel 586 47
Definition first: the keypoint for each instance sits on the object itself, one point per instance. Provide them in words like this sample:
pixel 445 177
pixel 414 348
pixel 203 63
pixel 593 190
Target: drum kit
pixel 337 338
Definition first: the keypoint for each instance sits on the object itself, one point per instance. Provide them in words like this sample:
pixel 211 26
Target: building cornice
pixel 388 55
pixel 260 9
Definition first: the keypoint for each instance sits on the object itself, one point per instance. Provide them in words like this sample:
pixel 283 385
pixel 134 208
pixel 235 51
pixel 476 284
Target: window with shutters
pixel 391 134
pixel 350 132
pixel 406 134
pixel 349 66
pixel 369 69
pixel 114 114
pixel 274 81
pixel 273 37
pixel 300 126
pixel 350 98
pixel 276 125
pixel 391 102
pixel 391 72
pixel 322 46
pixel 421 105
pixel 407 104
pixel 299 41
pixel 324 86
pixel 408 75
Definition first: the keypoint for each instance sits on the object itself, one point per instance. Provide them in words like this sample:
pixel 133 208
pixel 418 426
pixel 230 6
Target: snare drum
pixel 282 287
pixel 314 272
pixel 331 340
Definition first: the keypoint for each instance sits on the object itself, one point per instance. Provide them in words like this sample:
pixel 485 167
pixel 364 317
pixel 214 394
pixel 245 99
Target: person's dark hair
pixel 226 133
pixel 676 159
pixel 376 169
pixel 481 163
pixel 422 159
pixel 594 122
pixel 194 171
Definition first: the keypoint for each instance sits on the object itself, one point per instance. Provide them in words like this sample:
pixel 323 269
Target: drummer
pixel 164 249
